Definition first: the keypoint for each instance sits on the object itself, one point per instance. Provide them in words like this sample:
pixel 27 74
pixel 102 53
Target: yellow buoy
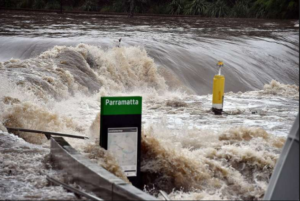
pixel 218 91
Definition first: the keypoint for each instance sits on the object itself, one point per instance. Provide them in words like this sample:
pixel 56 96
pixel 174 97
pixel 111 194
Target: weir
pixel 91 176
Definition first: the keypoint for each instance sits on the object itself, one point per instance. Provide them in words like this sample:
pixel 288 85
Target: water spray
pixel 218 91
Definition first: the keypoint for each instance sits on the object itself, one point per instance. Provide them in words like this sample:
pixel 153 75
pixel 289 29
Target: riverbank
pixel 216 8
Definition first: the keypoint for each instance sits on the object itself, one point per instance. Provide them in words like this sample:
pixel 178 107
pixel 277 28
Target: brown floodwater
pixel 254 51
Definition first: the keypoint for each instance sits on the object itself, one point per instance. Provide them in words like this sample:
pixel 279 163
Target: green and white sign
pixel 121 105
pixel 120 133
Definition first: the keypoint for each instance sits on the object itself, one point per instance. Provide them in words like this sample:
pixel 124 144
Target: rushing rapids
pixel 186 150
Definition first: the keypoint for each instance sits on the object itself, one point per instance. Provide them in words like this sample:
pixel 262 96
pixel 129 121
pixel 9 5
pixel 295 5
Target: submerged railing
pixel 46 133
pixel 91 176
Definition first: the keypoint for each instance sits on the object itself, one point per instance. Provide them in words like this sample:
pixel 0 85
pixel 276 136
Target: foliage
pixel 53 4
pixel 106 9
pixel 292 10
pixel 176 7
pixel 276 8
pixel 24 4
pixel 209 8
pixel 119 6
pixel 241 9
pixel 39 4
pixel 7 4
pixel 90 5
pixel 142 6
pixel 160 9
pixel 218 9
pixel 124 6
pixel 196 7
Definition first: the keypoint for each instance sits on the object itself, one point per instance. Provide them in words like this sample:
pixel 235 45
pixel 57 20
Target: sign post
pixel 120 133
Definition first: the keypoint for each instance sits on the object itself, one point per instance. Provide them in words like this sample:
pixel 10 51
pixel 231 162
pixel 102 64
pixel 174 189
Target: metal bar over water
pixel 92 176
pixel 48 134
pixel 74 190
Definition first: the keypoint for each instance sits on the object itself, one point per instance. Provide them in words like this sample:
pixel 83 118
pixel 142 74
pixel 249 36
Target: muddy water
pixel 254 51
pixel 54 69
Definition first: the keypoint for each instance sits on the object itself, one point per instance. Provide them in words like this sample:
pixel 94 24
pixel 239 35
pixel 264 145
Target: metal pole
pixel 48 134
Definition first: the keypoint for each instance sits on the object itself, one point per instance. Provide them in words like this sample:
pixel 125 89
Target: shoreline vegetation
pixel 275 9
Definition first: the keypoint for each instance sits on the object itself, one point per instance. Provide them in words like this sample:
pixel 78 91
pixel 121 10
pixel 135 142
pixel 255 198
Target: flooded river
pixel 54 69
pixel 254 51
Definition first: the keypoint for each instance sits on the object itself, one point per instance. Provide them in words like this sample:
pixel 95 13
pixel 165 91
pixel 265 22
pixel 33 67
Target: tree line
pixel 282 9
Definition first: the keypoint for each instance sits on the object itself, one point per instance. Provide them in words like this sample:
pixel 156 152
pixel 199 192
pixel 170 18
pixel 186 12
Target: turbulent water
pixel 23 170
pixel 254 51
pixel 55 68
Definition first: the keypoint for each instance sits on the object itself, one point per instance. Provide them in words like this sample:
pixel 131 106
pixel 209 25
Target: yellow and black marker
pixel 218 91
